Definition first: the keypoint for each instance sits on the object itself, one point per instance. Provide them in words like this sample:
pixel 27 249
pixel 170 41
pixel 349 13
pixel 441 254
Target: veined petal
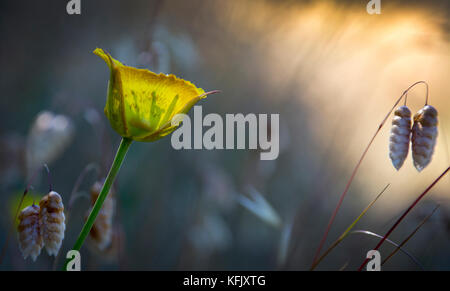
pixel 140 103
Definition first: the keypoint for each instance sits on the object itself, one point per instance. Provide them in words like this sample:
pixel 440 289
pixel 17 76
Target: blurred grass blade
pixel 346 232
pixel 259 206
pixel 404 215
pixel 344 266
pixel 392 243
pixel 411 235
pixel 283 247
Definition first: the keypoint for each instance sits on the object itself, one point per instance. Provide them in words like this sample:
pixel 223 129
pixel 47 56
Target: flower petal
pixel 140 103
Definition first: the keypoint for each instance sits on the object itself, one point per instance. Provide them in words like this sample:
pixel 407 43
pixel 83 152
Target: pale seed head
pixel 424 135
pixel 30 239
pixel 399 137
pixel 52 222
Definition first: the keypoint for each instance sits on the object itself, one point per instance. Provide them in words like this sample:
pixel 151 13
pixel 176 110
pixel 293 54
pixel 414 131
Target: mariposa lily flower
pixel 140 104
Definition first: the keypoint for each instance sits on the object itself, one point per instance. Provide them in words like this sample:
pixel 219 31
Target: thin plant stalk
pixel 410 236
pixel 344 266
pixel 115 167
pixel 355 170
pixel 74 196
pixel 347 231
pixel 414 259
pixel 404 215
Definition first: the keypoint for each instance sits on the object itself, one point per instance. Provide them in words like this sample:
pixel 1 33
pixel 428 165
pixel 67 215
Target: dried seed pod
pixel 30 239
pixel 100 235
pixel 52 221
pixel 111 252
pixel 48 138
pixel 424 134
pixel 400 134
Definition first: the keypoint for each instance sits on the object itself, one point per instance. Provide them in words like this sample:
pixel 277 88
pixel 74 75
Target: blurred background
pixel 331 71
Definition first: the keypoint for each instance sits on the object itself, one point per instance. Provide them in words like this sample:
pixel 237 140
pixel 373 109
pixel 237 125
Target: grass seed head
pixel 400 135
pixel 52 222
pixel 424 134
pixel 29 234
pixel 100 236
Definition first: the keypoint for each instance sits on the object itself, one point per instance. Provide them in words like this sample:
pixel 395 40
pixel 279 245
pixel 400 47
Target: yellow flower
pixel 141 104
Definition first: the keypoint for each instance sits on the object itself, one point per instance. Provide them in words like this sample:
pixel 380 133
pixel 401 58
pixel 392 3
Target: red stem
pixel 403 216
pixel 333 216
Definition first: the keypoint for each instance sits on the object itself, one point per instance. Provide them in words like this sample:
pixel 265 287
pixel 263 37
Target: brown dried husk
pixel 52 222
pixel 100 236
pixel 30 239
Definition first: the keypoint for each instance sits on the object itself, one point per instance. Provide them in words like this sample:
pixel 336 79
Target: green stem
pixel 115 167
